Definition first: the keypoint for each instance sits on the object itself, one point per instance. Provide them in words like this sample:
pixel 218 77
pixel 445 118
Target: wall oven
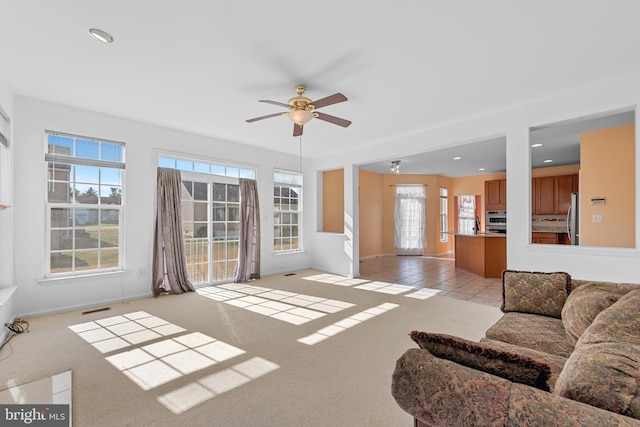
pixel 496 222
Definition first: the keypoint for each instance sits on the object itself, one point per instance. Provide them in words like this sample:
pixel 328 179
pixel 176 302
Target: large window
pixel 85 181
pixel 444 215
pixel 466 214
pixel 287 211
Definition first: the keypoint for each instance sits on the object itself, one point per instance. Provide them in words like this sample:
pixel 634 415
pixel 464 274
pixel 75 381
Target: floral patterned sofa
pixel 565 353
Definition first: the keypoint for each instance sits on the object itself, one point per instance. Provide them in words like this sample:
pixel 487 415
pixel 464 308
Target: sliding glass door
pixel 211 223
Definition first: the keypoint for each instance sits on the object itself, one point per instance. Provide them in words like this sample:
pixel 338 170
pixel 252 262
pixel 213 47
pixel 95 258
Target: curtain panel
pixel 169 260
pixel 248 267
pixel 409 217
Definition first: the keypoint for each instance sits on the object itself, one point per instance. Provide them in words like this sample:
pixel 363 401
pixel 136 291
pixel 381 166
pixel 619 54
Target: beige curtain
pixel 169 260
pixel 249 250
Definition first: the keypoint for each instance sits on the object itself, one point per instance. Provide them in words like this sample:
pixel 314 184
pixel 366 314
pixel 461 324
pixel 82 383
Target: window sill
pixel 60 279
pixel 298 251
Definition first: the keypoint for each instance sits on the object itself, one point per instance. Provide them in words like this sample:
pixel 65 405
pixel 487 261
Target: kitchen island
pixel 484 254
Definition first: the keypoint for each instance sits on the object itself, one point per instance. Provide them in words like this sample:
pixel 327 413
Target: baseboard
pixel 86 306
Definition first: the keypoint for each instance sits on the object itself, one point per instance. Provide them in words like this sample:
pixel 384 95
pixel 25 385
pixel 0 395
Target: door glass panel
pixel 211 241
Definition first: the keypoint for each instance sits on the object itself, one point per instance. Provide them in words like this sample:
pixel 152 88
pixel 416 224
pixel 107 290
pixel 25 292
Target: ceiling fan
pixel 302 110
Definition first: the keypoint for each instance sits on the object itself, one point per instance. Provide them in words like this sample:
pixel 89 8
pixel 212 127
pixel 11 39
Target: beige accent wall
pixel 371 207
pixel 608 170
pixel 333 201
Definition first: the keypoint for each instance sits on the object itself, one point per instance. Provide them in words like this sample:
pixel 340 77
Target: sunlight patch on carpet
pixel 168 359
pixel 374 286
pixel 164 361
pixel 347 323
pixel 193 394
pixel 289 307
pixel 119 332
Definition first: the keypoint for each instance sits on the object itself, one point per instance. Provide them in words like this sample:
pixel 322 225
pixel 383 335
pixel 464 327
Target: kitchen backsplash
pixel 549 223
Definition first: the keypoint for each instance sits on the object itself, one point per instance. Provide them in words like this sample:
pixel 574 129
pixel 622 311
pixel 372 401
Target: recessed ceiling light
pixel 457 158
pixel 480 169
pixel 536 145
pixel 548 161
pixel 100 35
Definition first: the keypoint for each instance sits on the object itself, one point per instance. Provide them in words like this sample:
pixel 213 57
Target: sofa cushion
pixel 535 293
pixel 584 303
pixel 509 365
pixel 604 369
pixel 540 333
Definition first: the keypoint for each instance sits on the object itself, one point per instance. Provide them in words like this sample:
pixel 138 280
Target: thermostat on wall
pixel 597 200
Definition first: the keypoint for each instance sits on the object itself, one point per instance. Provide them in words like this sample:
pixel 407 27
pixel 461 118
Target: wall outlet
pixel 596 218
pixel 141 272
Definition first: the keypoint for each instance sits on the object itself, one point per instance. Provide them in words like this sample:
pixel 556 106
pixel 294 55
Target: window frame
pixel 74 161
pixel 444 215
pixel 294 182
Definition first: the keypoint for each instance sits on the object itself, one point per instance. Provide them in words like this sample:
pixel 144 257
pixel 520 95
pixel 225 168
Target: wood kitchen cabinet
pixel 495 194
pixel 549 238
pixel 544 196
pixel 551 195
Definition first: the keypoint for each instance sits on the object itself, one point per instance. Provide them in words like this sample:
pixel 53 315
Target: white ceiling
pixel 407 66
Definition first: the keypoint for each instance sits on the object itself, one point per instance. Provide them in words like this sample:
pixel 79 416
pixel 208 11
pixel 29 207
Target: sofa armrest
pixel 443 393
pixel 438 392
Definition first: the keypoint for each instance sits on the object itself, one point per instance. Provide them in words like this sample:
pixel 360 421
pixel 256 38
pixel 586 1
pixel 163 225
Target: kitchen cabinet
pixel 544 196
pixel 551 195
pixel 549 238
pixel 495 194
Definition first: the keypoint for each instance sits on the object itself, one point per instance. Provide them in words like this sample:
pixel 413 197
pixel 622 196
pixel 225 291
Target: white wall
pixel 143 143
pixel 580 262
pixel 6 193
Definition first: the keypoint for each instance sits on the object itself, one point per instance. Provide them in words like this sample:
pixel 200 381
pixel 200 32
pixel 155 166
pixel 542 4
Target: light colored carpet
pixel 295 353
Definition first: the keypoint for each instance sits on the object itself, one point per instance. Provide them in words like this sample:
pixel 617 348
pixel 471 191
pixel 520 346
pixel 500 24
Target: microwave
pixel 496 222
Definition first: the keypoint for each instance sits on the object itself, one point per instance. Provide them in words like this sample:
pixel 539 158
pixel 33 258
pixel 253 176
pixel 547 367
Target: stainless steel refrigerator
pixel 573 221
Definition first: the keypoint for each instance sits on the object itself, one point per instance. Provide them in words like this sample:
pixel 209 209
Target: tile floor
pixel 433 273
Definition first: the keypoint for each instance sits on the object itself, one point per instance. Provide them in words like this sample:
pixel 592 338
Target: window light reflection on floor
pixel 163 361
pixel 155 364
pixel 375 286
pixel 347 323
pixel 287 306
pixel 118 332
pixel 187 397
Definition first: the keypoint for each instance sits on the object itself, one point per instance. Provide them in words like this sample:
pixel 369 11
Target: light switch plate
pixel 596 218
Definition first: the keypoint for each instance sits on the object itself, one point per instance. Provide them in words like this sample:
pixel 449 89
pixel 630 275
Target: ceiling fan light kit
pixel 302 110
pixel 395 166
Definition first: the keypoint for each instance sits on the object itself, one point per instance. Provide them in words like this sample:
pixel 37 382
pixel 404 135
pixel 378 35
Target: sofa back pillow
pixel 584 303
pixel 604 369
pixel 535 292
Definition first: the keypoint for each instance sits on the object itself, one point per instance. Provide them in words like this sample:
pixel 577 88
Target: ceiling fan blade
pixel 333 119
pixel 297 130
pixel 255 119
pixel 281 104
pixel 329 100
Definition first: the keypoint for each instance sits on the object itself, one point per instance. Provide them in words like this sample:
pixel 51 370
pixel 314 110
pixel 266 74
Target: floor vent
pixel 96 310
pixel 290 274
